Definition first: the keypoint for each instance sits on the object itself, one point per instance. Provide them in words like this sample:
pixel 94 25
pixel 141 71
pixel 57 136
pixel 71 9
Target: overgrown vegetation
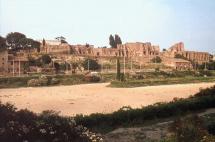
pixel 179 56
pixel 132 80
pixel 13 82
pixel 161 78
pixel 156 59
pixel 190 128
pixel 90 64
pixel 2 43
pixel 25 126
pixel 159 81
pixel 16 41
pixel 209 66
pixel 119 75
pixel 127 116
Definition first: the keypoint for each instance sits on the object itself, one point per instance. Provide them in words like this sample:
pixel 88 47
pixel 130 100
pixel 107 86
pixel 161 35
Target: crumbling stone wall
pixel 178 48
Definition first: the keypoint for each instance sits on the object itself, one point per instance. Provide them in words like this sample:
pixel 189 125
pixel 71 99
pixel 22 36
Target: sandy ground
pixel 92 98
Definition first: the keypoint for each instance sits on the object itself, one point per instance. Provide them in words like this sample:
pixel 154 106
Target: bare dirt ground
pixel 92 98
pixel 151 133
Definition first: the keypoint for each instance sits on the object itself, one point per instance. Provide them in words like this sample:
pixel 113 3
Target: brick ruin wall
pixel 138 51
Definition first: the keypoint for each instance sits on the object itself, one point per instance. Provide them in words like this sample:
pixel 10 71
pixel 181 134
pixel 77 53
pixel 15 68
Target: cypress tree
pixel 118 74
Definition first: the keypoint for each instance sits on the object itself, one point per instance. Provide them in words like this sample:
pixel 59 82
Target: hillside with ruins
pixel 137 54
pixel 107 71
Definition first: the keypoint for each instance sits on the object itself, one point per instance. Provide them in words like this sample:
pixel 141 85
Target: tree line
pixel 114 40
pixel 16 41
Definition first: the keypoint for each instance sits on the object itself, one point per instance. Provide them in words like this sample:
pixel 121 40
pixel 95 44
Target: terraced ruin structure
pixel 138 52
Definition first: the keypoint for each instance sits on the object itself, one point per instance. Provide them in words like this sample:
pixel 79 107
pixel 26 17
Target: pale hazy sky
pixel 162 22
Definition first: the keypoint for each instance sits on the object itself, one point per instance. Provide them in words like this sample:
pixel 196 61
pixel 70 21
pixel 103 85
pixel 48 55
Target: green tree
pixel 13 40
pixel 57 67
pixel 46 59
pixel 91 64
pixel 2 43
pixel 156 59
pixel 74 66
pixel 164 49
pixel 43 42
pixel 117 40
pixel 28 44
pixel 36 45
pixel 34 62
pixel 87 45
pixel 112 41
pixel 118 72
pixel 16 41
pixel 61 39
pixel 31 61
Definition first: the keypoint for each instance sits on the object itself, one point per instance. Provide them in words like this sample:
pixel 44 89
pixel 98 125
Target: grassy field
pixel 148 78
pixel 15 82
pixel 160 81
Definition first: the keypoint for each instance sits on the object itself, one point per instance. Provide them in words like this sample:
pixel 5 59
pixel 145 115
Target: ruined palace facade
pixel 54 47
pixel 139 49
pixel 136 49
pixel 128 49
pixel 136 52
pixel 178 48
pixel 3 61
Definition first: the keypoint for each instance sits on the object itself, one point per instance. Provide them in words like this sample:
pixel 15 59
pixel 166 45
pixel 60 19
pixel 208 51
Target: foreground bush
pixel 130 117
pixel 92 78
pixel 190 129
pixel 34 82
pixel 41 81
pixel 25 126
pixel 54 81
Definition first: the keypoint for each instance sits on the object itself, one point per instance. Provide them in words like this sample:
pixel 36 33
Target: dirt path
pixel 92 98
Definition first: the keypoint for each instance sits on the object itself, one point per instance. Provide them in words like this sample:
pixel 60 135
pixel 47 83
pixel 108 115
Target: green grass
pixel 70 79
pixel 160 81
pixel 150 78
pixel 15 82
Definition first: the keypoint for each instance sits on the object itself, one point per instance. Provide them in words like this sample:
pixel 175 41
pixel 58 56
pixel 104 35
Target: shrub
pixel 190 129
pixel 46 59
pixel 122 77
pixel 137 76
pixel 211 128
pixel 205 72
pixel 156 59
pixel 54 81
pixel 25 126
pixel 206 92
pixel 90 64
pixel 34 82
pixel 92 78
pixel 42 81
pixel 57 67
